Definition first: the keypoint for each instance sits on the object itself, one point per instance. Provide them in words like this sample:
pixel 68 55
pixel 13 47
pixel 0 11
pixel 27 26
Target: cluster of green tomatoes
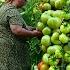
pixel 55 42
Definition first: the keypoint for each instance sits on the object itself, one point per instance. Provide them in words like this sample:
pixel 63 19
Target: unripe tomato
pixel 53 68
pixel 54 22
pixel 67 48
pixel 40 64
pixel 45 40
pixel 63 38
pixel 43 48
pixel 67 57
pixel 65 28
pixel 45 58
pixel 59 13
pixel 46 31
pixel 55 38
pixel 40 26
pixel 68 67
pixel 45 17
pixel 41 6
pixel 49 12
pixel 45 1
pixel 46 6
pixel 68 3
pixel 53 61
pixel 58 54
pixel 44 67
pixel 51 49
pixel 52 2
pixel 58 4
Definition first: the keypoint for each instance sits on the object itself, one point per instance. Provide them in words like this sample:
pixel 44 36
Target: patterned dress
pixel 14 53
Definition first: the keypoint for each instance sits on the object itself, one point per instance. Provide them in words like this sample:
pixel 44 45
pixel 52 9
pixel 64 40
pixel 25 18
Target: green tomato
pixel 45 17
pixel 35 67
pixel 68 28
pixel 55 38
pixel 58 4
pixel 45 0
pixel 53 68
pixel 67 16
pixel 68 3
pixel 63 38
pixel 68 67
pixel 59 13
pixel 49 12
pixel 45 40
pixel 45 58
pixel 43 48
pixel 65 29
pixel 40 26
pixel 54 22
pixel 52 2
pixel 56 30
pixel 67 48
pixel 58 54
pixel 67 57
pixel 53 61
pixel 46 6
pixel 46 31
pixel 51 49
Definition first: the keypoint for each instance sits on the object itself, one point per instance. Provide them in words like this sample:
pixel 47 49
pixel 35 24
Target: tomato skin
pixel 67 57
pixel 40 64
pixel 40 26
pixel 46 31
pixel 59 13
pixel 41 6
pixel 45 1
pixel 52 2
pixel 51 49
pixel 44 67
pixel 43 48
pixel 68 3
pixel 55 38
pixel 66 48
pixel 45 58
pixel 68 67
pixel 54 22
pixel 44 18
pixel 58 4
pixel 63 38
pixel 53 68
pixel 46 6
pixel 53 61
pixel 45 40
pixel 65 29
pixel 58 54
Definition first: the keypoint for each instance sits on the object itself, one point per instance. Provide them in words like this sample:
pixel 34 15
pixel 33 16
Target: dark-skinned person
pixel 14 53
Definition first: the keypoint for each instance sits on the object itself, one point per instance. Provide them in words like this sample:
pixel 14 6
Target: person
pixel 14 53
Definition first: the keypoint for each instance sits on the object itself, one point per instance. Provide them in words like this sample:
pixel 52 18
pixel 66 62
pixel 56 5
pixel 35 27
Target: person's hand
pixel 37 33
pixel 30 28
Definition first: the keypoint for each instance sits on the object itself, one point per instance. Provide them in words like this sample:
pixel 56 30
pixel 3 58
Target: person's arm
pixel 22 32
pixel 18 25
